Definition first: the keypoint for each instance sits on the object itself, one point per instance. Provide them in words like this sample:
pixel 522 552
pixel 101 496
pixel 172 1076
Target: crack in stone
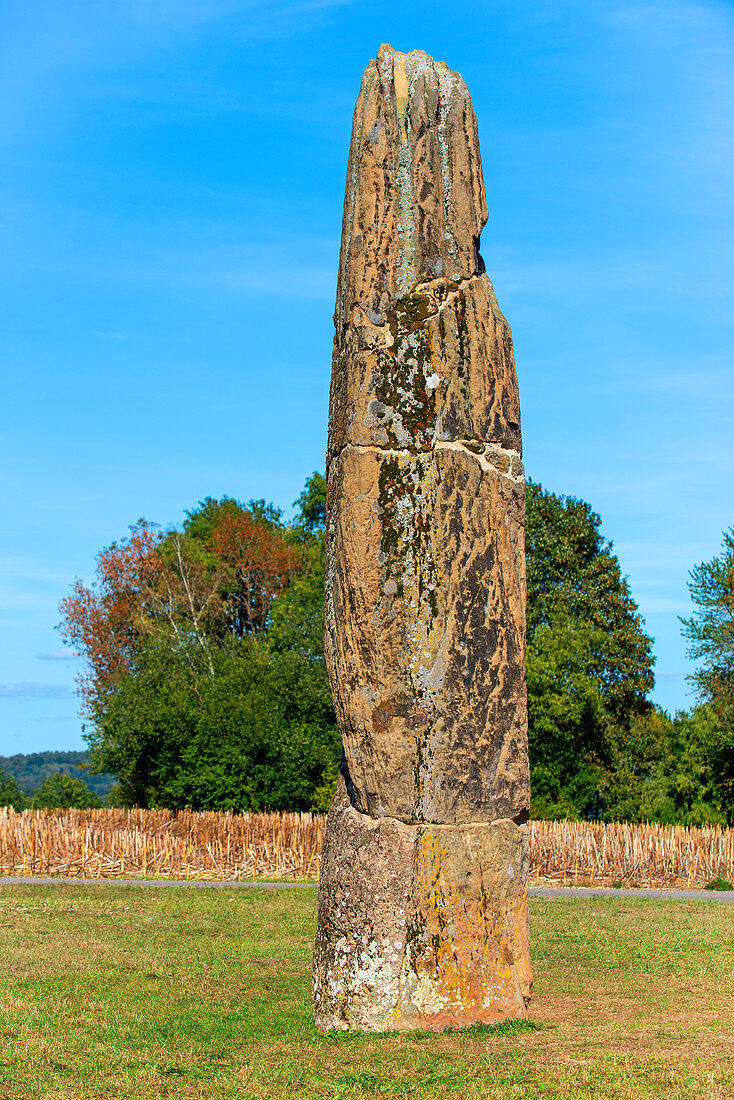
pixel 456 825
pixel 424 288
pixel 486 464
pixel 462 446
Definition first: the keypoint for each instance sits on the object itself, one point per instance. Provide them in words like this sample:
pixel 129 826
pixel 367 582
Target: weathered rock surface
pixel 421 926
pixel 414 205
pixel 425 590
pixel 428 676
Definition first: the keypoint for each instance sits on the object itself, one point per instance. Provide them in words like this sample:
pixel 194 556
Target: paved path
pixel 535 891
pixel 609 892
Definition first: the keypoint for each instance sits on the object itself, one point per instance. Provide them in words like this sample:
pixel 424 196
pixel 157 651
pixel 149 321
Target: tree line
pixel 205 685
pixel 58 790
pixel 30 769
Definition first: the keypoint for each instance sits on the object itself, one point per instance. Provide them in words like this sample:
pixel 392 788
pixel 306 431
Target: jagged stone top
pixel 415 205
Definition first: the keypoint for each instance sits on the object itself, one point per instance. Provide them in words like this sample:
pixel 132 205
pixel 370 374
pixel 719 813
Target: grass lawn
pixel 137 992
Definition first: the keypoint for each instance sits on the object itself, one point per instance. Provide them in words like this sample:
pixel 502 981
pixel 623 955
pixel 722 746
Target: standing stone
pixel 422 919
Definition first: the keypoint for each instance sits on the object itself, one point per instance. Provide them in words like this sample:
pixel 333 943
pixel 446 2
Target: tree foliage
pixel 56 791
pixel 311 505
pixel 260 564
pixel 104 622
pixel 710 630
pixel 710 636
pixel 256 734
pixel 569 727
pixel 206 686
pixel 61 792
pixel 30 769
pixel 219 699
pixel 10 792
pixel 573 575
pixel 589 659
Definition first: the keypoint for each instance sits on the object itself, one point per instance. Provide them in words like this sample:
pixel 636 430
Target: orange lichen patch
pixel 427 926
pixel 467 958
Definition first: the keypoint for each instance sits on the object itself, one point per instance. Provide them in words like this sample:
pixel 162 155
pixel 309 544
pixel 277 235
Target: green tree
pixel 10 792
pixel 589 660
pixel 705 773
pixel 222 701
pixel 570 741
pixel 60 792
pixel 663 770
pixel 311 505
pixel 30 769
pixel 297 616
pixel 573 573
pixel 256 734
pixel 201 522
pixel 710 630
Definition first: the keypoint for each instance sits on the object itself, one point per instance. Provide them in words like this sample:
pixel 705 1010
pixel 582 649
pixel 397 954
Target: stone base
pixel 420 926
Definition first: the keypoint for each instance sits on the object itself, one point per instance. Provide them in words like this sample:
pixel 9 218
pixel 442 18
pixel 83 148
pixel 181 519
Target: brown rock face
pixel 425 590
pixel 420 926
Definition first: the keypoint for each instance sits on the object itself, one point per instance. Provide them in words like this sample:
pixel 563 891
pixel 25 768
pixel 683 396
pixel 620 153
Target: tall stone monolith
pixel 422 918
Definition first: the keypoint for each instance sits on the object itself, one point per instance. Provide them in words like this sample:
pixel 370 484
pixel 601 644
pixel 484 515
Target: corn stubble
pixel 186 845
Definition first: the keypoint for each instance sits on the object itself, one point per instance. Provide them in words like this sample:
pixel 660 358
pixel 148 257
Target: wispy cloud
pixel 698 39
pixel 87 32
pixel 35 691
pixel 656 605
pixel 293 268
pixel 43 43
pixel 250 18
pixel 30 569
pixel 669 19
pixel 299 269
pixel 58 655
pixel 693 383
pixel 596 272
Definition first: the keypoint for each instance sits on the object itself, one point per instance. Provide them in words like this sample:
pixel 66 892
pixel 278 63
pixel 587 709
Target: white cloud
pixel 598 273
pixel 59 655
pixel 30 569
pixel 664 20
pixel 35 691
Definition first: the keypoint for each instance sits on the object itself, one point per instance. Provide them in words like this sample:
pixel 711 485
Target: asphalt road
pixel 607 891
pixel 535 891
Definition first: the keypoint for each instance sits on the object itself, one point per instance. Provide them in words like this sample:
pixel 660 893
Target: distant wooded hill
pixel 30 769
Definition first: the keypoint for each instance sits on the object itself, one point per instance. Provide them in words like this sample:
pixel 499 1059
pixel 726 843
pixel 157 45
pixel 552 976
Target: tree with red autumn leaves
pixel 161 584
pixel 205 683
pixel 103 622
pixel 189 700
pixel 261 564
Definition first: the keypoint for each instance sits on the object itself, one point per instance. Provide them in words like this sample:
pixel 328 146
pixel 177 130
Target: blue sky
pixel 170 211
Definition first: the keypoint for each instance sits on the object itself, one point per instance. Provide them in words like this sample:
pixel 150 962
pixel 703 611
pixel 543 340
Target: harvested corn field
pixel 148 843
pixel 596 853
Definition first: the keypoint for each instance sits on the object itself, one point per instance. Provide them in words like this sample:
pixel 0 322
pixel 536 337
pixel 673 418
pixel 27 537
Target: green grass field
pixel 139 992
